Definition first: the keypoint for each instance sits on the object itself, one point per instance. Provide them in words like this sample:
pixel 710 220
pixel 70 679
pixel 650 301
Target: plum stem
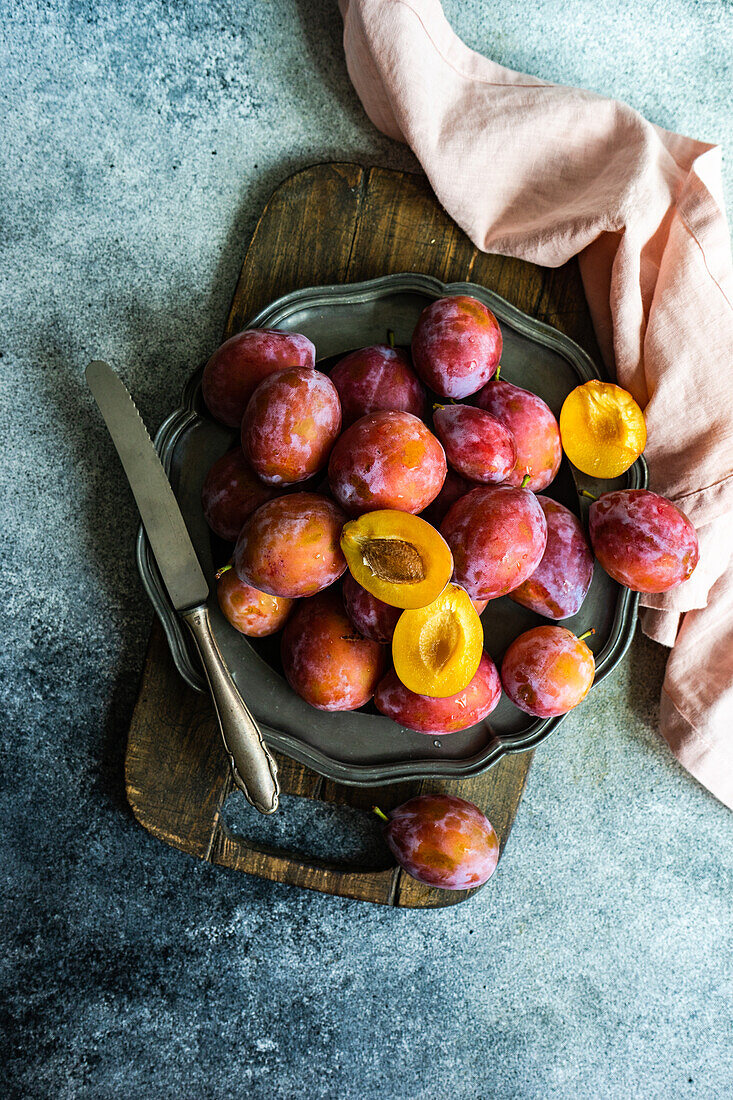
pixel 380 813
pixel 224 569
pixel 390 337
pixel 585 493
pixel 525 481
pixel 587 634
pixel 498 372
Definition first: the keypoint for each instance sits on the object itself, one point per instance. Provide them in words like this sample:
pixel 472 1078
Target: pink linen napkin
pixel 542 172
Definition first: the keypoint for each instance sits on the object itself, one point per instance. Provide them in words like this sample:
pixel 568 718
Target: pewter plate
pixel 363 747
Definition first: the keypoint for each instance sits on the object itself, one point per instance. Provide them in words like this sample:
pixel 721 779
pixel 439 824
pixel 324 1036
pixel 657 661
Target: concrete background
pixel 140 142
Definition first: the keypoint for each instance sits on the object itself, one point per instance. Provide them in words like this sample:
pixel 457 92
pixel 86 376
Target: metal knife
pixel 253 767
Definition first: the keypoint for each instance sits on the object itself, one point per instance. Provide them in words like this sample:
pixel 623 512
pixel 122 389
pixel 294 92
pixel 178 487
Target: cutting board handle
pixel 232 850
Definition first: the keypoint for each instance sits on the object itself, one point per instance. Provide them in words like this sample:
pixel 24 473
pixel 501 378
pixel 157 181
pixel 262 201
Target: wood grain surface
pixel 332 223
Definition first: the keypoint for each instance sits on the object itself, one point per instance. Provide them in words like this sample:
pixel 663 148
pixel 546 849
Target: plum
pixel 230 494
pixel 290 424
pixel 386 460
pixel 602 428
pixel 642 540
pixel 437 649
pixel 251 612
pixel 375 379
pixel 443 841
pixel 372 617
pixel 398 557
pixel 560 583
pixel 535 430
pixel 326 661
pixel 476 444
pixel 498 536
pixel 547 671
pixel 456 346
pixel 239 365
pixel 427 714
pixel 290 546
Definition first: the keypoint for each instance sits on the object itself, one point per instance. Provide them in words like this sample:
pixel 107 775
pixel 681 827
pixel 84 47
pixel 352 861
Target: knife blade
pixel 254 770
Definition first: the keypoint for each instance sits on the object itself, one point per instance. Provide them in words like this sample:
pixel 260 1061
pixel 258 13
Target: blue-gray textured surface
pixel 141 140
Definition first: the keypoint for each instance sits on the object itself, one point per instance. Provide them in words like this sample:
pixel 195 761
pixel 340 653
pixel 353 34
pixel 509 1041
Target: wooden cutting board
pixel 332 223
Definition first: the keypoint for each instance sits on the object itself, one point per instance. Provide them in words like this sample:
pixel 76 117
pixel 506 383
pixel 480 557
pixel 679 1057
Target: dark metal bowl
pixel 363 747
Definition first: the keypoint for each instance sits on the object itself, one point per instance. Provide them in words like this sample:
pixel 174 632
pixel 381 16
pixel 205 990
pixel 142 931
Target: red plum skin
pixel 456 346
pixel 372 617
pixel 425 714
pixel 535 430
pixel 290 425
pixel 477 445
pixel 377 379
pixel 326 661
pixel 642 540
pixel 443 841
pixel 290 546
pixel 547 671
pixel 454 487
pixel 239 365
pixel 560 583
pixel 497 536
pixel 386 460
pixel 253 613
pixel 231 493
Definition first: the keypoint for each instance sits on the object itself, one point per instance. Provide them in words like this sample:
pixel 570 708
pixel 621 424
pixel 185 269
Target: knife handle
pixel 253 768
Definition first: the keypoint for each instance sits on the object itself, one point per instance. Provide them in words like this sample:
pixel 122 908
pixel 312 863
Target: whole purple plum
pixel 454 487
pixel 456 346
pixel 476 444
pixel 386 460
pixel 231 493
pixel 561 581
pixel 291 422
pixel 497 536
pixel 535 430
pixel 239 365
pixel 377 378
pixel 642 540
pixel 547 671
pixel 430 715
pixel 443 841
pixel 372 617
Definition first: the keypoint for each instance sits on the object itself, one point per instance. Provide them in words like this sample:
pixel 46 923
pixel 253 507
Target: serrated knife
pixel 253 768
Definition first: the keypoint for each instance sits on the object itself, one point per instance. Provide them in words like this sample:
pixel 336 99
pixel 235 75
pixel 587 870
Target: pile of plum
pixel 433 511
